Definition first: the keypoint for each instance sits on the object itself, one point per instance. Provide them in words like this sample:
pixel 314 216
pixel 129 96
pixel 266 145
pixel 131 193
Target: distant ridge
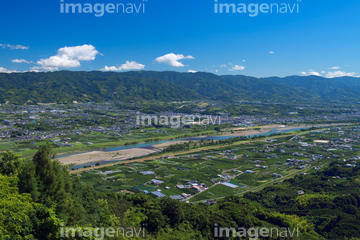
pixel 67 86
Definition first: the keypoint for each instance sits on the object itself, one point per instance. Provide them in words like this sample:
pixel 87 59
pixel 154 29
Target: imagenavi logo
pixel 100 9
pixel 254 9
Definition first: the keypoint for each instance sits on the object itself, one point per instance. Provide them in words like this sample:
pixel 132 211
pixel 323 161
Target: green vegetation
pixel 38 213
pixel 64 86
pixel 329 203
pixel 35 217
pixel 39 196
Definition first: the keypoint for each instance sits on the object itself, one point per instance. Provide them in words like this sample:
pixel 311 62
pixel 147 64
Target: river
pixel 150 145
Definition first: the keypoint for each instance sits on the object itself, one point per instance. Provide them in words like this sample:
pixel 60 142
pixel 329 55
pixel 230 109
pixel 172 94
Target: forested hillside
pixel 342 88
pixel 66 87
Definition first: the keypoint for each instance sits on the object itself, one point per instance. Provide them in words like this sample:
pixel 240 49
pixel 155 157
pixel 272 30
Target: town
pixel 85 126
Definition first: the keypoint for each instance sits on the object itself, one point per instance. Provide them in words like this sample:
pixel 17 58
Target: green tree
pixel 50 184
pixel 28 181
pixel 20 217
pixel 10 163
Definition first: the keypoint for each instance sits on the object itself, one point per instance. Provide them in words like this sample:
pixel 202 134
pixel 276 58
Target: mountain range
pixel 67 86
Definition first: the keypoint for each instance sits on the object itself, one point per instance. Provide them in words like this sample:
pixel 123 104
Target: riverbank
pixel 238 132
pixel 100 156
pixel 125 154
pixel 142 159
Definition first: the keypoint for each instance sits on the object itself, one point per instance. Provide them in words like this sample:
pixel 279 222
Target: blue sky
pixel 182 35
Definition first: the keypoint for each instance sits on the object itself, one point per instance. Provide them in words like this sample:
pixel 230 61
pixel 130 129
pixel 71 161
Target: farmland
pixel 248 166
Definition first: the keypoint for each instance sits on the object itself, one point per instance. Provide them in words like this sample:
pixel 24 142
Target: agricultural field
pixel 249 167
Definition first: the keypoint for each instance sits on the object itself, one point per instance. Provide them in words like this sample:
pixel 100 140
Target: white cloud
pixel 192 71
pixel 4 70
pixel 237 68
pixel 223 66
pixel 335 68
pixel 81 53
pixel 244 60
pixel 21 61
pixel 57 62
pixel 330 74
pixel 33 69
pixel 69 57
pixel 173 59
pixel 112 68
pixel 14 47
pixel 129 65
pixel 311 73
pixel 340 74
pixel 43 68
pixel 271 52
